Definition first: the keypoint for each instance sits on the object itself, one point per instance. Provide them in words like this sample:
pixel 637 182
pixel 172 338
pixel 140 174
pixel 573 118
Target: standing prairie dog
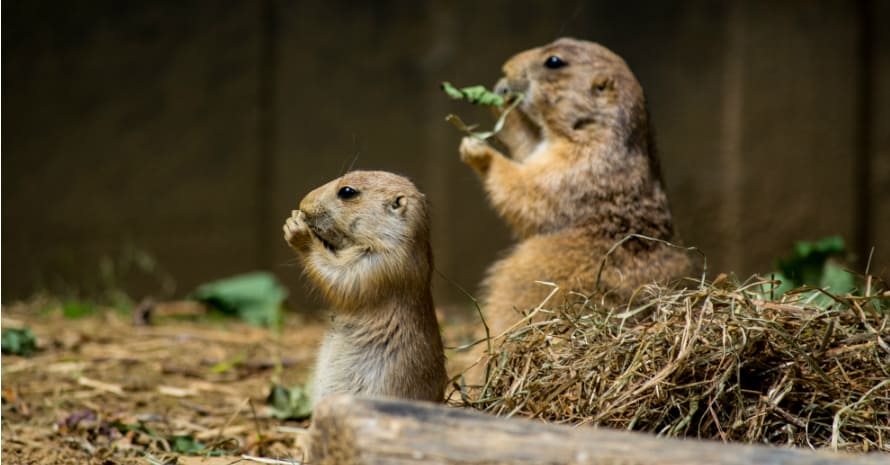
pixel 580 174
pixel 364 242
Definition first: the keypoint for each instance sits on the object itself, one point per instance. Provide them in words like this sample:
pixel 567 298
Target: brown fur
pixel 580 176
pixel 370 256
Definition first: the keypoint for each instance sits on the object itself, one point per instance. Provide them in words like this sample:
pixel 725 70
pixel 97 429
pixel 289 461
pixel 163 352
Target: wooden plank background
pixel 188 130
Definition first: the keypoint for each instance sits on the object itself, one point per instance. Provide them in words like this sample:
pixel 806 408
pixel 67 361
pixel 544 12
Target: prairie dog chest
pixel 346 363
pixel 541 147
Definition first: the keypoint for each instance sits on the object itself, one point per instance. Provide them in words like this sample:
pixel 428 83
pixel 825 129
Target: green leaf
pixel 180 444
pixel 140 427
pixel 19 341
pixel 452 91
pixel 815 264
pixel 293 403
pixel 784 285
pixel 254 297
pixel 185 445
pixel 77 309
pixel 805 264
pixel 836 279
pixel 477 95
pixel 227 365
pixel 483 135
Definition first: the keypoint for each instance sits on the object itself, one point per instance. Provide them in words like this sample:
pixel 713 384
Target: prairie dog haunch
pixel 363 240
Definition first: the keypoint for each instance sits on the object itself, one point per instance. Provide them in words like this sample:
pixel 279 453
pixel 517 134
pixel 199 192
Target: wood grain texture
pixel 348 430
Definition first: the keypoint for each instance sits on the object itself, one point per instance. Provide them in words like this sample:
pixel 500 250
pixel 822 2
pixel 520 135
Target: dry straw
pixel 722 360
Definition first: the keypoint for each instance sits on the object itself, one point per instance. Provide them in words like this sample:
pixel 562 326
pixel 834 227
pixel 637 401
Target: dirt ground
pixel 102 390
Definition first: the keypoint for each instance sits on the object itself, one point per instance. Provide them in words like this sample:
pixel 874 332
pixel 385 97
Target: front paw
pixel 296 232
pixel 476 153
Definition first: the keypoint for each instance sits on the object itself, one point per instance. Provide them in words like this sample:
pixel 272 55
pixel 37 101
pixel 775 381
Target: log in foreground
pixel 349 430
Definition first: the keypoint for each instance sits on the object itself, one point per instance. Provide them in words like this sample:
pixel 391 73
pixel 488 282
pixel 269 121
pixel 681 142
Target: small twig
pixel 291 429
pixel 787 416
pixel 835 424
pixel 202 410
pixel 174 391
pixel 478 311
pixel 534 312
pixel 868 263
pixel 256 421
pixel 99 385
pixel 230 420
pixel 628 237
pixel 272 461
pixel 483 135
pixel 83 443
pixel 153 460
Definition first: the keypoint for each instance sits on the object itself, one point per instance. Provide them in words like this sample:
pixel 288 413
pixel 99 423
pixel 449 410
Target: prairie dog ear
pixel 602 85
pixel 399 204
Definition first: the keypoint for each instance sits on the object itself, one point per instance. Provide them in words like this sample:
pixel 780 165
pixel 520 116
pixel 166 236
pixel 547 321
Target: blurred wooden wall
pixel 191 129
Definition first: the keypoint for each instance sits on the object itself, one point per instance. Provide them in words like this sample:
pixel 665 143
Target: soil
pixel 104 390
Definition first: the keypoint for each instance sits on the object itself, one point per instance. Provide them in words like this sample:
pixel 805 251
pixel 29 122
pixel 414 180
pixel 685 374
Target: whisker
pixel 344 172
pixel 290 263
pixel 354 159
pixel 571 19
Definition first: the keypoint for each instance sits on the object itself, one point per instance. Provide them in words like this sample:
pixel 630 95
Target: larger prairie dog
pixel 364 242
pixel 580 175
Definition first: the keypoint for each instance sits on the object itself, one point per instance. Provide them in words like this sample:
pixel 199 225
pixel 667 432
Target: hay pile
pixel 723 360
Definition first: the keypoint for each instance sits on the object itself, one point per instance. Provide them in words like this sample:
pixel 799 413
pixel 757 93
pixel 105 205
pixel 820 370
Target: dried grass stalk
pixel 722 360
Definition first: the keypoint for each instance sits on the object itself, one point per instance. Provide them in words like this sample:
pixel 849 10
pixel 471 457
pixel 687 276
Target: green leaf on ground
pixel 19 341
pixel 185 445
pixel 805 265
pixel 836 279
pixel 227 365
pixel 289 403
pixel 815 264
pixel 77 309
pixel 254 297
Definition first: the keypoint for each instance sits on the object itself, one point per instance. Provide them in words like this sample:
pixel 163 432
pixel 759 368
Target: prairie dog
pixel 580 174
pixel 363 240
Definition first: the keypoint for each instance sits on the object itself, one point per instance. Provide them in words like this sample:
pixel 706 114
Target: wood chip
pixel 101 386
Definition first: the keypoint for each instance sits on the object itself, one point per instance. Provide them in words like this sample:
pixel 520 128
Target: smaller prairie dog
pixel 364 242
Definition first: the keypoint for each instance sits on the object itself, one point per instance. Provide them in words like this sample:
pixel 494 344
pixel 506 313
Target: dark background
pixel 156 145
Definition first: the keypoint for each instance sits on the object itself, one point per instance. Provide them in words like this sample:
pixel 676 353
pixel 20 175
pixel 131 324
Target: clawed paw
pixel 295 229
pixel 476 153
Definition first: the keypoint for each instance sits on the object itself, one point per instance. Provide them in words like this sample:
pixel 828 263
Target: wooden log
pixel 348 430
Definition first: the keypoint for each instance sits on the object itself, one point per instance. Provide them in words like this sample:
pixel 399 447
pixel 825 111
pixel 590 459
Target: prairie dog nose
pixel 502 88
pixel 512 84
pixel 311 203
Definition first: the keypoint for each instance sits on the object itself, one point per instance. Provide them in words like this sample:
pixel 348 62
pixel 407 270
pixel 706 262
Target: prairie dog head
pixel 574 90
pixel 369 238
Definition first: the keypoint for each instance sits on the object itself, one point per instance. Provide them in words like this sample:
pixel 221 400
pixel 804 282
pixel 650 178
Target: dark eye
pixel 346 193
pixel 554 62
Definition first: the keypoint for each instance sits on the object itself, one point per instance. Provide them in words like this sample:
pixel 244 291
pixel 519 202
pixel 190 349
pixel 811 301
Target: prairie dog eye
pixel 554 62
pixel 347 192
